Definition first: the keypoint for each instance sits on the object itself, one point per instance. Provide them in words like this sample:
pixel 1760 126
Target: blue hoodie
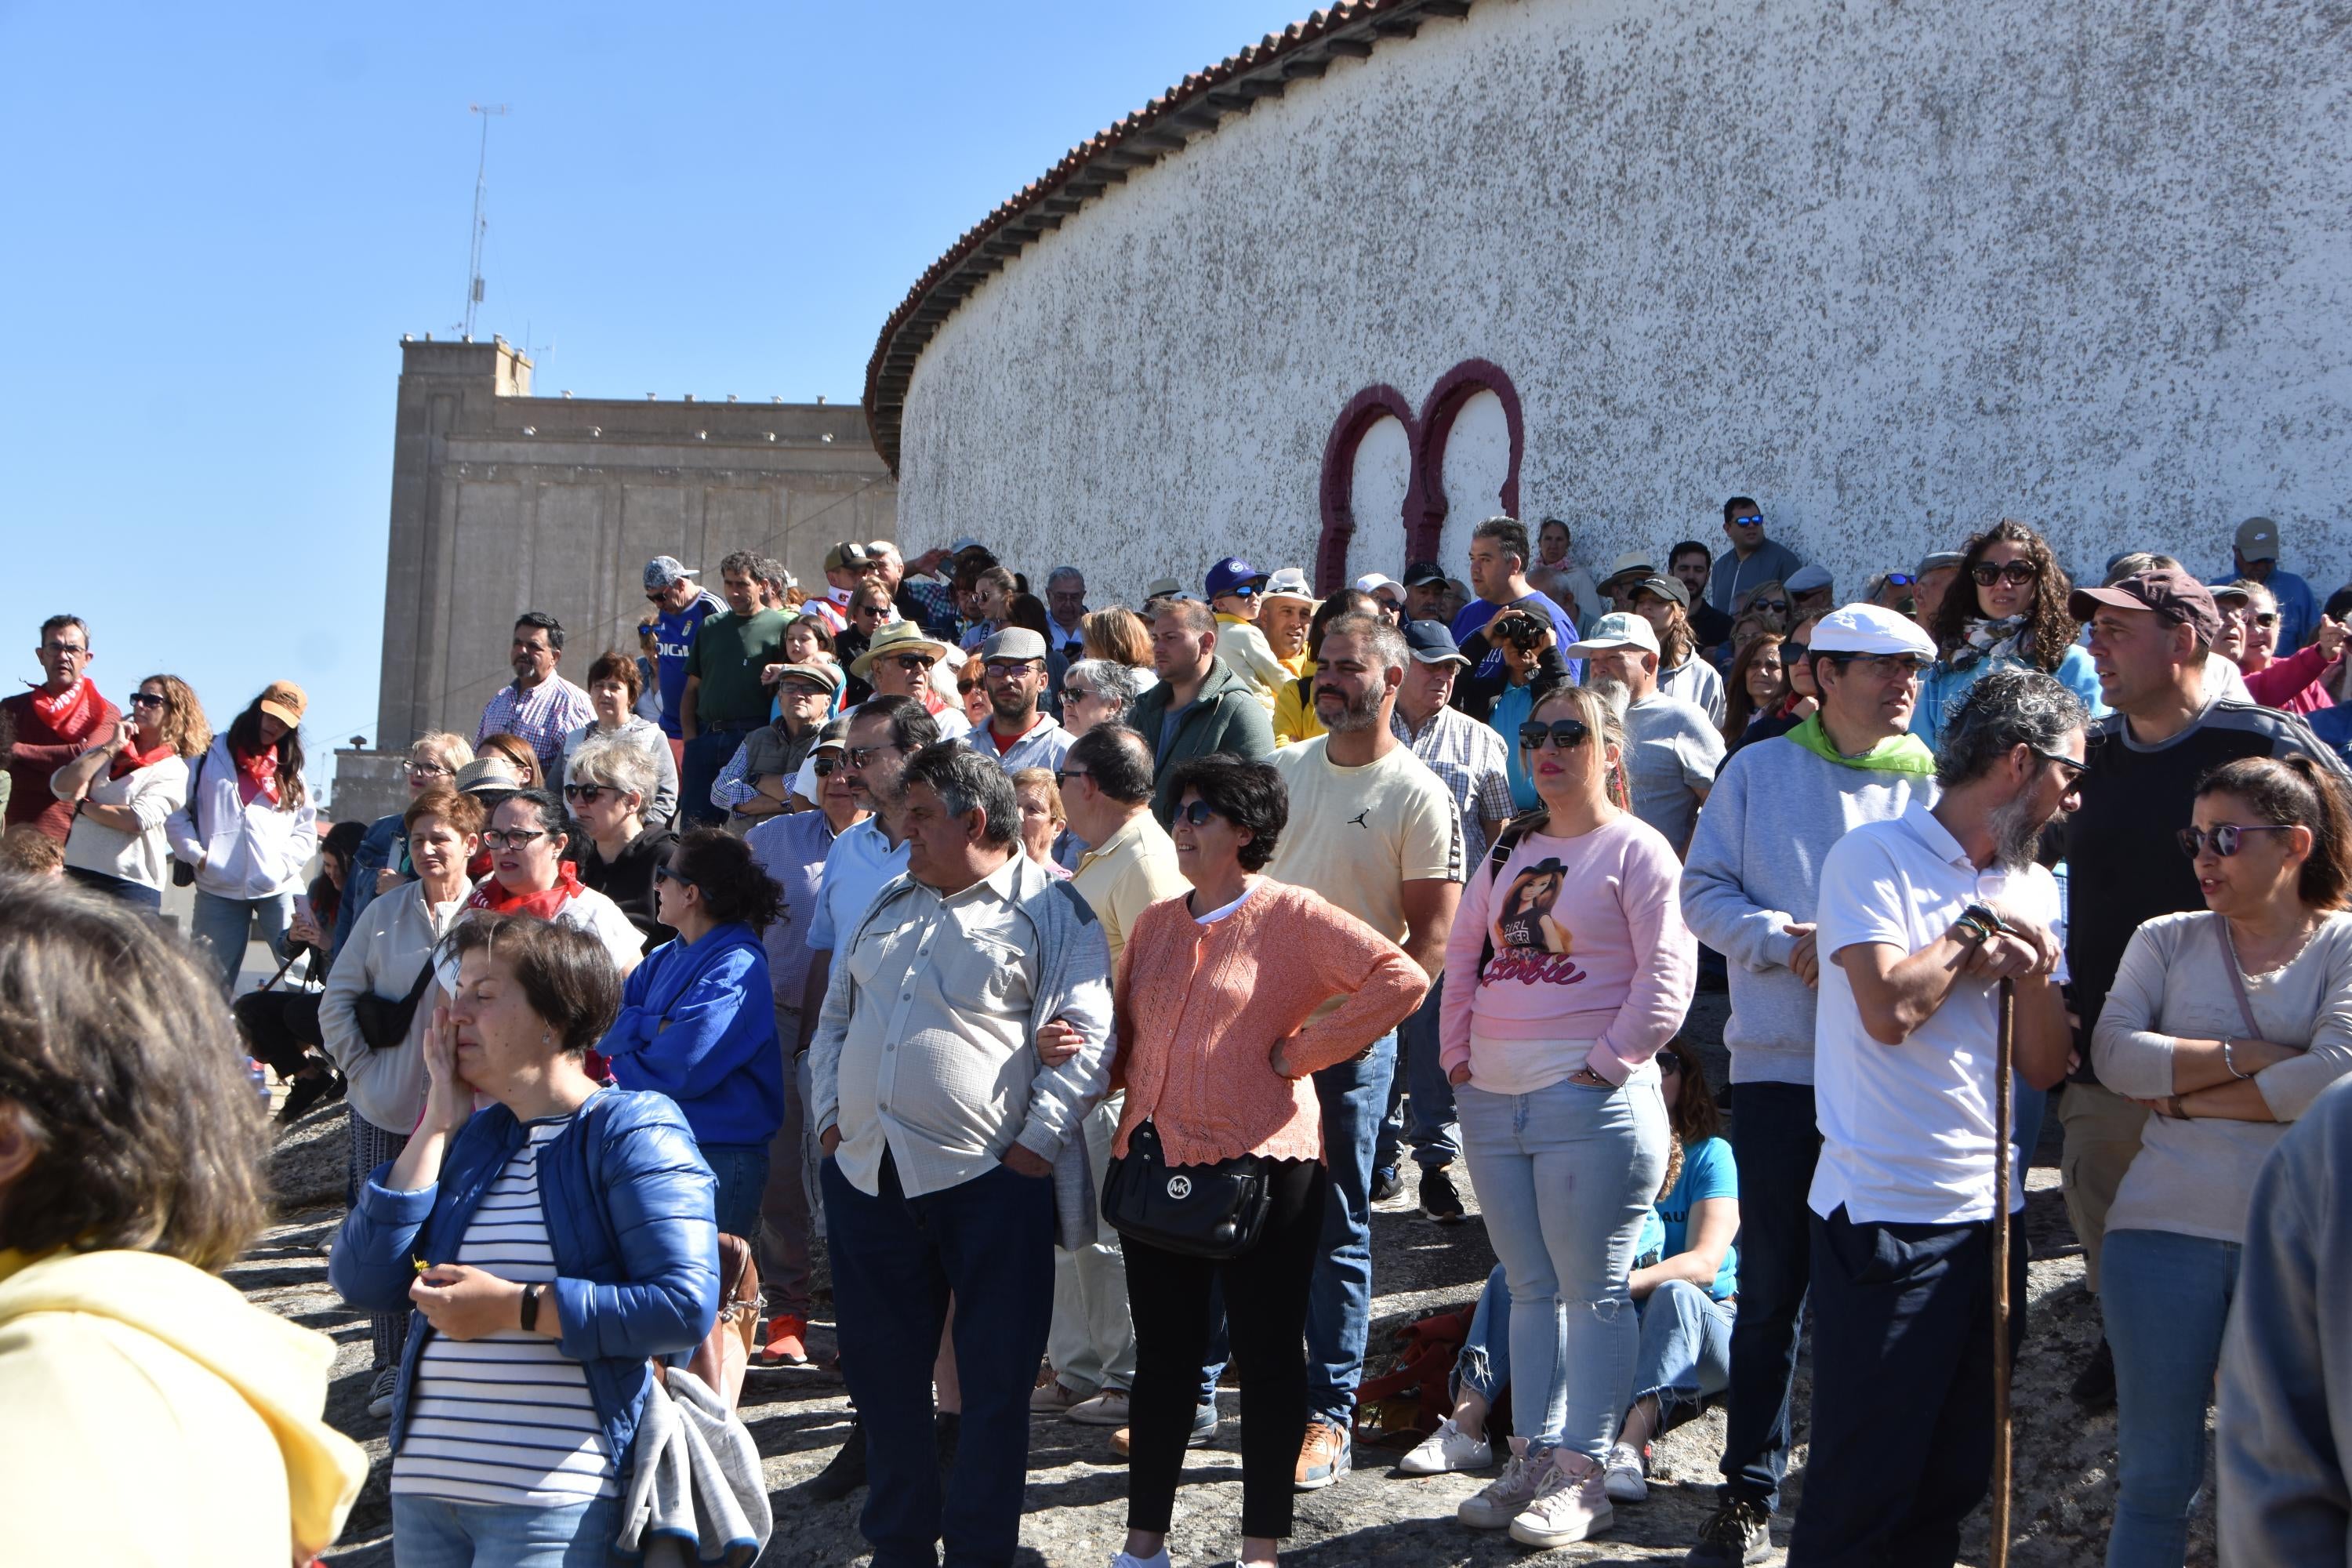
pixel 698 1024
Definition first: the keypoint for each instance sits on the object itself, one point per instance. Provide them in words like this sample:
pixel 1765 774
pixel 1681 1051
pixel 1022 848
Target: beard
pixel 1613 692
pixel 2016 834
pixel 1354 716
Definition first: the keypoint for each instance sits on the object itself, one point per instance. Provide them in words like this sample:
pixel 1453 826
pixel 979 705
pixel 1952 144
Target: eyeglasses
pixel 858 756
pixel 497 838
pixel 1011 670
pixel 1565 734
pixel 2261 619
pixel 2074 770
pixel 1885 666
pixel 2017 573
pixel 1197 812
pixel 913 663
pixel 1062 777
pixel 2225 840
pixel 586 794
pixel 69 650
pixel 1755 521
pixel 147 699
pixel 420 772
pixel 664 872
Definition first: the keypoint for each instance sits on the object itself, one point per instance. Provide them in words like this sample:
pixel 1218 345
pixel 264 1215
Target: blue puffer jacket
pixel 630 1216
pixel 697 1023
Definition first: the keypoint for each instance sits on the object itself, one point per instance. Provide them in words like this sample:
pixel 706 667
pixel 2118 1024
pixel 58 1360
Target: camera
pixel 1522 632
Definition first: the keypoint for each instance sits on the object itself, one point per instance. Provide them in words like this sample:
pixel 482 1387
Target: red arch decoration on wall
pixel 1423 520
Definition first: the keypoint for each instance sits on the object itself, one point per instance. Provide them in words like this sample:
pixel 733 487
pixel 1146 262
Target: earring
pixel 546 1037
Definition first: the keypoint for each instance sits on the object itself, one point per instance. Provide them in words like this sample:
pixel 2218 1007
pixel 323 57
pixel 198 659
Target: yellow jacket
pixel 1294 711
pixel 149 1415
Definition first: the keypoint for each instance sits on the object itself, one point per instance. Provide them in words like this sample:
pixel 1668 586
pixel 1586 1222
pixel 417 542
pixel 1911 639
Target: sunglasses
pixel 1197 812
pixel 1246 590
pixel 1755 521
pixel 858 756
pixel 1900 579
pixel 2266 620
pixel 2225 840
pixel 149 700
pixel 586 794
pixel 1792 653
pixel 420 772
pixel 914 663
pixel 966 687
pixel 664 872
pixel 1565 734
pixel 824 767
pixel 497 838
pixel 1062 777
pixel 2017 573
pixel 1775 606
pixel 2074 770
pixel 1668 1062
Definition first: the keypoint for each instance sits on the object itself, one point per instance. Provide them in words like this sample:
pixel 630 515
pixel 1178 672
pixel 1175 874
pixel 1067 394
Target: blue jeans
pixel 1774 1143
pixel 1685 1353
pixel 1483 1365
pixel 896 1260
pixel 222 928
pixel 2028 1107
pixel 1354 1096
pixel 1420 1102
pixel 742 1172
pixel 1565 1177
pixel 2166 1297
pixel 433 1533
pixel 705 758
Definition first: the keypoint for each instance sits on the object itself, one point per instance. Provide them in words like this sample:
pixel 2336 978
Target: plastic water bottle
pixel 259 1075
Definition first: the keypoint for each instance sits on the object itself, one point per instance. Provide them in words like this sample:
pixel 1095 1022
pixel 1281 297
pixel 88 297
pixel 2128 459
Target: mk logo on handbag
pixel 1180 1187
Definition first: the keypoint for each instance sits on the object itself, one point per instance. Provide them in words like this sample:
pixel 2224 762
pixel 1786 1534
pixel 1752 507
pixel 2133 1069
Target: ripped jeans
pixel 1685 1355
pixel 1565 1176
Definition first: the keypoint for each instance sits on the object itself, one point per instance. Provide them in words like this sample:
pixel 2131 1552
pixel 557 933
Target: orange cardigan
pixel 1200 1008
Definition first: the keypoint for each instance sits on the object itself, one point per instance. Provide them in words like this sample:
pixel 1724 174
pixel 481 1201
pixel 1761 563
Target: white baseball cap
pixel 1290 583
pixel 1869 629
pixel 1613 632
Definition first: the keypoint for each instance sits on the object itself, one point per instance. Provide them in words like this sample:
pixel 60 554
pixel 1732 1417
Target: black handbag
pixel 182 874
pixel 1199 1211
pixel 384 1023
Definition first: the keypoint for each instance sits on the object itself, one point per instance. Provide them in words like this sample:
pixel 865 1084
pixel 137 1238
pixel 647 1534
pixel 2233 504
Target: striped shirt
pixel 505 1418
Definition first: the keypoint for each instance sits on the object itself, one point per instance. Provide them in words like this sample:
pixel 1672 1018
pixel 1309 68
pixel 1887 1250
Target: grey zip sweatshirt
pixel 1753 868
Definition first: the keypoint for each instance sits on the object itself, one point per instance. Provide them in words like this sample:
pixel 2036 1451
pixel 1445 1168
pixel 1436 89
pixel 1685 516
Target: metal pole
pixel 2004 1066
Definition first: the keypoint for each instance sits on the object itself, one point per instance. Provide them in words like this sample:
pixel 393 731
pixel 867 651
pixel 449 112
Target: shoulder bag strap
pixel 2237 978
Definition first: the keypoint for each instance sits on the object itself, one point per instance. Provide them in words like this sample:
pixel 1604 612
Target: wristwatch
pixel 531 1307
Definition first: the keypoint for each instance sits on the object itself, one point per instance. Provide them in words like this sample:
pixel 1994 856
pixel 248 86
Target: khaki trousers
pixel 1092 1341
pixel 2102 1130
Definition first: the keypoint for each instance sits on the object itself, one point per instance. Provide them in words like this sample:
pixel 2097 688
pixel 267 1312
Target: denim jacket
pixel 629 1207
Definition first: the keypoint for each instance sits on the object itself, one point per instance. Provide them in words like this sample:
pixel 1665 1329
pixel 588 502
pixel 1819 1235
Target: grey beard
pixel 1355 717
pixel 2016 835
pixel 1613 692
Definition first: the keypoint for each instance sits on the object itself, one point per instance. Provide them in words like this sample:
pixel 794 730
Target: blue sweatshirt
pixel 698 1024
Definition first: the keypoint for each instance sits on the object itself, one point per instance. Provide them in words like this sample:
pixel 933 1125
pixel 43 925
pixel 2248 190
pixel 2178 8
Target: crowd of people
pixel 1073 983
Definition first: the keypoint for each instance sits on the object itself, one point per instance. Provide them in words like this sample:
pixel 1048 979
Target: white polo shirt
pixel 1908 1130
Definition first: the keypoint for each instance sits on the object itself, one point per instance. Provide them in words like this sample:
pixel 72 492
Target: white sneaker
pixel 1508 1494
pixel 1448 1449
pixel 1109 1408
pixel 1625 1479
pixel 1128 1559
pixel 1566 1509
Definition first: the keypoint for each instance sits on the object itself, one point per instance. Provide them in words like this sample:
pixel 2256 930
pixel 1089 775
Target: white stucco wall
pixel 1896 269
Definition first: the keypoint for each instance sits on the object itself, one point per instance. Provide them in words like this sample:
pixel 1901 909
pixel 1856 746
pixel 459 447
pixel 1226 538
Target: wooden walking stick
pixel 2005 1054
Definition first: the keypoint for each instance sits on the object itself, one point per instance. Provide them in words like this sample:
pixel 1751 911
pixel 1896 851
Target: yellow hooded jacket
pixel 150 1415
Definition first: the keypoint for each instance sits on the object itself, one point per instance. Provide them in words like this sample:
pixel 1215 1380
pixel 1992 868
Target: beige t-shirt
pixel 1134 870
pixel 1357 835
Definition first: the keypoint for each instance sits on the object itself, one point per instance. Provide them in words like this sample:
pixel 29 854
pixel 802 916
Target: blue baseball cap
pixel 1430 642
pixel 1232 574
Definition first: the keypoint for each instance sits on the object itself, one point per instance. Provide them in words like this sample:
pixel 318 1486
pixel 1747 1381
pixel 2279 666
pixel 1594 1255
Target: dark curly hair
pixel 2050 631
pixel 735 890
pixel 1249 795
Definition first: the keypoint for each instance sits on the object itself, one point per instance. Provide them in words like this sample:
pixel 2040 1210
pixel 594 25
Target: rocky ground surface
pixel 1077 1495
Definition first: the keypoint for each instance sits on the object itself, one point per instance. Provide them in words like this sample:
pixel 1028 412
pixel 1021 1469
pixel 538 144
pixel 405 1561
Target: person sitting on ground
pixel 2227 1023
pixel 2298 683
pixel 569 1234
pixel 698 1018
pixel 123 790
pixel 614 688
pixel 1685 1280
pixel 153 1415
pixel 381 864
pixel 2007 608
pixel 606 793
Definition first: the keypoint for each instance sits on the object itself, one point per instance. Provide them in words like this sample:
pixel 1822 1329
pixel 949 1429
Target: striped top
pixel 505 1418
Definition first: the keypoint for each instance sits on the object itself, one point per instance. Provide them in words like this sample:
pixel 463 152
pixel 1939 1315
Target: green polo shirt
pixel 727 652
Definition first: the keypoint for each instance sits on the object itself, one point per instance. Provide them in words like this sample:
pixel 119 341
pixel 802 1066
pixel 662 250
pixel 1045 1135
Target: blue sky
pixel 221 219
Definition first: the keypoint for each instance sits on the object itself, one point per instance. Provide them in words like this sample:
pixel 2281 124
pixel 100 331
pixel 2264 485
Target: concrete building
pixel 1896 270
pixel 503 501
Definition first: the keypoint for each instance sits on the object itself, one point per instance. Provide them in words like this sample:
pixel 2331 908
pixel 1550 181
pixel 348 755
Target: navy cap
pixel 1231 573
pixel 1421 573
pixel 1430 642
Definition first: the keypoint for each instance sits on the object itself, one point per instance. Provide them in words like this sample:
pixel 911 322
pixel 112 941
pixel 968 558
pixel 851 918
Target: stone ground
pixel 1075 1502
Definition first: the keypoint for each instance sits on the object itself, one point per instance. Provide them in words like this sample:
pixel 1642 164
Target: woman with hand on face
pixel 606 791
pixel 614 688
pixel 532 871
pixel 1568 969
pixel 2298 683
pixel 123 790
pixel 550 1243
pixel 698 1018
pixel 2007 607
pixel 381 968
pixel 2226 1022
pixel 1220 1018
pixel 248 828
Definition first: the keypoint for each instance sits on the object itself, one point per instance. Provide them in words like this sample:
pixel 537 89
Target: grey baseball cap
pixel 667 571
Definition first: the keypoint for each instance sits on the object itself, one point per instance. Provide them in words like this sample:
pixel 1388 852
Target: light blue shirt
pixel 861 862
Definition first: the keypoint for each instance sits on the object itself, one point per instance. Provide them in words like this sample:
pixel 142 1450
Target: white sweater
pixel 152 794
pixel 241 851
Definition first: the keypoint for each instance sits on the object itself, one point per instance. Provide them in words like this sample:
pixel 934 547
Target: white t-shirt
pixel 1908 1130
pixel 1671 750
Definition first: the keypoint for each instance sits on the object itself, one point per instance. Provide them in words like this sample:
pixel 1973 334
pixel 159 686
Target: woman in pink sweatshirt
pixel 1567 967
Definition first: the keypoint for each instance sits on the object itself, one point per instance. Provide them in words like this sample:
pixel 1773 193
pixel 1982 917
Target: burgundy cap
pixel 2174 595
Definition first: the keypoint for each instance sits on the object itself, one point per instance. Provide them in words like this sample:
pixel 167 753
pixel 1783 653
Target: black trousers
pixel 280 1026
pixel 1265 1295
pixel 1902 1434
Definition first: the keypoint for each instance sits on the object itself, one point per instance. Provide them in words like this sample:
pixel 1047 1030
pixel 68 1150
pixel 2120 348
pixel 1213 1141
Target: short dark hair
pixel 543 621
pixel 1738 504
pixel 615 665
pixel 59 622
pixel 550 812
pixel 1687 547
pixel 1507 531
pixel 736 890
pixel 566 975
pixel 2297 792
pixel 743 564
pixel 1118 759
pixel 127 1071
pixel 1246 793
pixel 2017 706
pixel 911 725
pixel 342 841
pixel 966 782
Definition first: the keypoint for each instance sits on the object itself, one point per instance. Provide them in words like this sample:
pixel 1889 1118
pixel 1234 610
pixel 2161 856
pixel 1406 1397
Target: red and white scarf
pixel 257 773
pixel 70 713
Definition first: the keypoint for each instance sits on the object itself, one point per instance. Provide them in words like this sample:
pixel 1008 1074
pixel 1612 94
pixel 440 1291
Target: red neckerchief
pixel 67 712
pixel 127 761
pixel 496 897
pixel 256 772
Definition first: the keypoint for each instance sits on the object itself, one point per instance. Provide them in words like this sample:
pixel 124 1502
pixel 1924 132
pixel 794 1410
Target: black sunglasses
pixel 858 756
pixel 2018 572
pixel 1197 812
pixel 823 767
pixel 2074 770
pixel 1565 734
pixel 1062 777
pixel 586 794
pixel 1669 1061
pixel 2226 839
pixel 664 872
pixel 149 700
pixel 1776 607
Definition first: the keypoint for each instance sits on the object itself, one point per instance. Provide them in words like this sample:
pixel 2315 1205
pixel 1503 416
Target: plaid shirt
pixel 542 715
pixel 1469 758
pixel 936 602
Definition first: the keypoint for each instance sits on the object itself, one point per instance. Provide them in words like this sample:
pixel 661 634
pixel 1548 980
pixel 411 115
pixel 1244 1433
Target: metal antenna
pixel 481 222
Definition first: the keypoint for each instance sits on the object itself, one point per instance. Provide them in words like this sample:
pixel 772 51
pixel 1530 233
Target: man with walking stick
pixel 1923 920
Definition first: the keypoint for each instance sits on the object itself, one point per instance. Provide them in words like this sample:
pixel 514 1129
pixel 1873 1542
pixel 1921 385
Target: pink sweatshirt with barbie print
pixel 1593 964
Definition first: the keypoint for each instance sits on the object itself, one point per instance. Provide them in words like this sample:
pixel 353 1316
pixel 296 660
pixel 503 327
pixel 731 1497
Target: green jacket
pixel 1226 716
